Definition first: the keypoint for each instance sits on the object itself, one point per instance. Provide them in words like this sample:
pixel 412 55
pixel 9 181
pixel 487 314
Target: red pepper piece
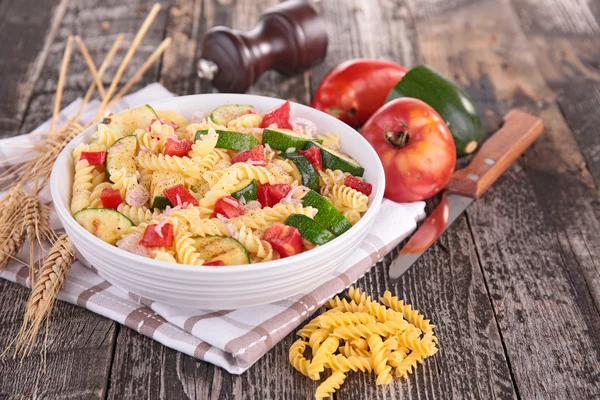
pixel 279 116
pixel 179 195
pixel 229 207
pixel 314 156
pixel 286 240
pixel 216 263
pixel 254 156
pixel 179 148
pixel 154 238
pixel 93 157
pixel 110 198
pixel 359 185
pixel 269 195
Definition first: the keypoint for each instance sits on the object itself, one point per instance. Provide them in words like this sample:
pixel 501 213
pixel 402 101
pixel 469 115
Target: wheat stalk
pixel 49 281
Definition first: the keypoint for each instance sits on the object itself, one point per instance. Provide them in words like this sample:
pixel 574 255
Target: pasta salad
pixel 234 187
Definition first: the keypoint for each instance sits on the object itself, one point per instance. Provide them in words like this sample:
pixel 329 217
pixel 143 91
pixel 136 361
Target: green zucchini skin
pixel 310 176
pixel 249 192
pixel 284 139
pixel 328 216
pixel 450 101
pixel 335 160
pixel 309 229
pixel 232 140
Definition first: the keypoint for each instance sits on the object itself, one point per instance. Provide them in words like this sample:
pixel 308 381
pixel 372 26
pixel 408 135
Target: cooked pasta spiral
pixel 123 181
pixel 99 183
pixel 262 175
pixel 331 140
pixel 105 136
pixel 161 162
pixel 137 215
pixel 343 196
pixel 148 142
pixel 185 251
pixel 335 319
pixel 260 248
pixel 409 363
pixel 205 145
pixel 82 186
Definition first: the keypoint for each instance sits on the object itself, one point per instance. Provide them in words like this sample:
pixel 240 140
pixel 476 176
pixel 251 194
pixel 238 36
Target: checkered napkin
pixel 232 339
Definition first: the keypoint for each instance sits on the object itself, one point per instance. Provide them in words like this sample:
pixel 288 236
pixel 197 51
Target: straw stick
pixel 105 64
pixel 156 54
pixel 90 63
pixel 121 70
pixel 61 81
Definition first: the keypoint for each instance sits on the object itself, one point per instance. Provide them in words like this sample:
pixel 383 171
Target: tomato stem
pixel 398 137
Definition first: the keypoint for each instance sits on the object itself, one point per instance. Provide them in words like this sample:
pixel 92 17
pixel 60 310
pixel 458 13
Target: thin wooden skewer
pixel 109 57
pixel 155 55
pixel 136 42
pixel 90 63
pixel 61 82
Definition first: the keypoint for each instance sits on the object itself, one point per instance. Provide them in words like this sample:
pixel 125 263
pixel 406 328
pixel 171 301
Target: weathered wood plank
pixel 78 355
pixel 523 250
pixel 26 37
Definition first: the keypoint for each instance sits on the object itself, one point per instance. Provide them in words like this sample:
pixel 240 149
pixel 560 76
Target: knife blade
pixel 468 184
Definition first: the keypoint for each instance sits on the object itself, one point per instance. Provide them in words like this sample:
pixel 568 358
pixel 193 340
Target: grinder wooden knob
pixel 288 38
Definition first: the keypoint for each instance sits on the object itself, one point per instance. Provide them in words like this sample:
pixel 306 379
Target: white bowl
pixel 219 288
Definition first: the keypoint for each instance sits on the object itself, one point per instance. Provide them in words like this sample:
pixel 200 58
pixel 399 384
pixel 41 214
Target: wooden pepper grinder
pixel 288 38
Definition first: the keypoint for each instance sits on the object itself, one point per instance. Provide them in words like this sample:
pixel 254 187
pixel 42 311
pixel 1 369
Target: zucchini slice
pixel 232 140
pixel 337 160
pixel 307 171
pixel 104 223
pixel 225 114
pixel 226 249
pixel 127 121
pixel 328 215
pixel 248 189
pixel 162 180
pixel 283 139
pixel 309 229
pixel 122 155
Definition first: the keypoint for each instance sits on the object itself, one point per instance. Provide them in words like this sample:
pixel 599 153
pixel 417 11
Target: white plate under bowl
pixel 221 288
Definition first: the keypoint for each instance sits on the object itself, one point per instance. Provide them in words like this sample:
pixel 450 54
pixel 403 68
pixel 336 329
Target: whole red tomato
pixel 415 147
pixel 355 89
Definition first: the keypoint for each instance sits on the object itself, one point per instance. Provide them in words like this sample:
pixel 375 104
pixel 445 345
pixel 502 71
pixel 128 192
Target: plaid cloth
pixel 232 339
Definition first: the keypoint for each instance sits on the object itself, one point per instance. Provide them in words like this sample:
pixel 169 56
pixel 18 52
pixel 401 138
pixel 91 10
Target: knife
pixel 498 153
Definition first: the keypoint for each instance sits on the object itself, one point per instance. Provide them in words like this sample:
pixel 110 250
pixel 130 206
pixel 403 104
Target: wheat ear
pixel 36 224
pixel 49 281
pixel 12 234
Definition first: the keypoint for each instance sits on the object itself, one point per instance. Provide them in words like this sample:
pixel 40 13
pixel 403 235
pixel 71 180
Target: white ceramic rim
pixel 263 266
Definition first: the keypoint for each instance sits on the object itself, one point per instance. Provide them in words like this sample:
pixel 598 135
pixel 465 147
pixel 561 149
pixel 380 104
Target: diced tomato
pixel 179 195
pixel 359 185
pixel 93 157
pixel 179 148
pixel 254 156
pixel 216 263
pixel 269 195
pixel 314 156
pixel 110 198
pixel 229 207
pixel 279 116
pixel 250 111
pixel 155 238
pixel 164 122
pixel 286 240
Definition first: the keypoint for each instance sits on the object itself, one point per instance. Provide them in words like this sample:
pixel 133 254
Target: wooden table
pixel 513 286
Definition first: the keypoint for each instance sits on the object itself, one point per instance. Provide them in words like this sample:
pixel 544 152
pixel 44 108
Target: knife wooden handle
pixel 498 153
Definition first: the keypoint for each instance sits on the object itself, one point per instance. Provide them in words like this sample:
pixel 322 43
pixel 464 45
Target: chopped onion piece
pixel 255 162
pixel 159 226
pixel 304 125
pixel 290 150
pixel 230 201
pixel 290 196
pixel 137 196
pixel 253 205
pixel 198 116
pixel 131 243
pixel 242 200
